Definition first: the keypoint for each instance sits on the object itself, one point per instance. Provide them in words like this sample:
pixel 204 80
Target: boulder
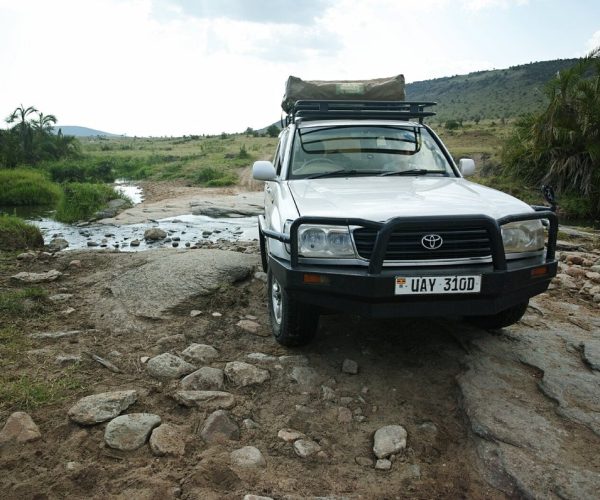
pixel 101 407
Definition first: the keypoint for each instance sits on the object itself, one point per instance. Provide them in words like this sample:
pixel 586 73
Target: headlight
pixel 325 241
pixel 525 236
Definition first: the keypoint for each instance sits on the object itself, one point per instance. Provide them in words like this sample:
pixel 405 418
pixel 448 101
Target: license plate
pixel 437 284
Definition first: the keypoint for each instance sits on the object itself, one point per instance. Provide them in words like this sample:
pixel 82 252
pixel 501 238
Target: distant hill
pixel 494 94
pixel 82 131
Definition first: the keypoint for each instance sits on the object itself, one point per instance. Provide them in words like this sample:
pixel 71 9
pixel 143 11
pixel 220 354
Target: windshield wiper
pixel 334 173
pixel 412 171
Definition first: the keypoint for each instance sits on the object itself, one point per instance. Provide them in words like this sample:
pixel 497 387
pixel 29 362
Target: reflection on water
pixel 129 189
pixel 28 212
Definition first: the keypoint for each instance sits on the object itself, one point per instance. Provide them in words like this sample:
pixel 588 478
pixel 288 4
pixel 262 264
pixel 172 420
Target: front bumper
pixel 370 290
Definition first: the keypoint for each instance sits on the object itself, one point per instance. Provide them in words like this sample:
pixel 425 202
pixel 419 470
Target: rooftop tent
pixel 380 89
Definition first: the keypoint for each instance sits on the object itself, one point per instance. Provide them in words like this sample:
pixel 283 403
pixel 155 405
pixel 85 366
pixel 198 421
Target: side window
pixel 280 153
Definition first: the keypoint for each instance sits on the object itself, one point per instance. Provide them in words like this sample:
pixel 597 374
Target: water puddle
pixel 182 231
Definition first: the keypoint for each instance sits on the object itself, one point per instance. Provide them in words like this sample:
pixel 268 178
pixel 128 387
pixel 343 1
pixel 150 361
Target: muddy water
pixel 182 231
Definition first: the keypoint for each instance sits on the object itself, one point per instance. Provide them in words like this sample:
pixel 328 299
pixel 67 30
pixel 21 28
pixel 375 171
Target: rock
pixel 412 471
pixel 206 400
pixel 219 427
pixel 27 256
pixel 289 435
pixel 389 440
pixel 216 314
pixel 67 359
pixel 244 374
pixel 154 234
pixel 293 360
pixel 167 366
pixel 144 359
pixel 19 428
pixel 305 377
pixel 595 277
pixel 591 353
pixel 24 277
pixel 383 464
pixel 101 407
pixel 92 244
pixel 58 244
pixel 259 275
pixel 344 415
pixel 75 263
pixel 248 457
pixel 328 393
pixel 364 461
pixel 195 312
pixel 204 379
pixel 305 448
pixel 250 424
pixel 200 353
pixel 253 327
pixel 256 497
pixel 574 259
pixel 167 439
pixel 350 367
pixel 575 272
pixel 60 297
pixel 259 357
pixel 171 340
pixel 129 432
pixel 134 243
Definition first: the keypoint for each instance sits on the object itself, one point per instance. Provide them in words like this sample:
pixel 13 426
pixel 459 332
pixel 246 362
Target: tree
pixel 273 130
pixel 24 127
pixel 561 145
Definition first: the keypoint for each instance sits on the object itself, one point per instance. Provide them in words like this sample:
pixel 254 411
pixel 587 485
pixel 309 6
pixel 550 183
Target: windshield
pixel 344 150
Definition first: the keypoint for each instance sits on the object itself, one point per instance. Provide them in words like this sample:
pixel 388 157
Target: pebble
pixel 244 374
pixel 144 359
pixel 256 497
pixel 60 297
pixel 154 234
pixel 130 432
pixel 207 400
pixel 216 315
pixel 305 448
pixel 203 379
pixel 75 263
pixel 305 376
pixel 67 359
pixel 328 393
pixel 101 407
pixel 195 312
pixel 199 353
pixel 168 366
pixel 19 428
pixel 289 435
pixel 249 326
pixel 389 440
pixel 383 464
pixel 167 439
pixel 248 457
pixel 349 366
pixel 250 424
pixel 219 427
pixel 259 357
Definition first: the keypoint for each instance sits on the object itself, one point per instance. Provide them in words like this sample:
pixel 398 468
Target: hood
pixel 380 198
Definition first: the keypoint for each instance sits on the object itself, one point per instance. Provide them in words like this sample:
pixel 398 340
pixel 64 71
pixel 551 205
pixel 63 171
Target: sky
pixel 181 67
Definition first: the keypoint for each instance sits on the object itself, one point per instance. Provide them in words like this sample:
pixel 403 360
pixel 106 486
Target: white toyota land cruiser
pixel 366 212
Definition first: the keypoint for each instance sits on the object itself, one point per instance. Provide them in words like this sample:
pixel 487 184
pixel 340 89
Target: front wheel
pixel 294 323
pixel 499 320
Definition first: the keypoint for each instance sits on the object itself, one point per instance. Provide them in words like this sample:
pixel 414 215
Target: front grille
pixel 462 243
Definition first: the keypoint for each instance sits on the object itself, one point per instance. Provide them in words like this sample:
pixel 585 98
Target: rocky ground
pixel 177 390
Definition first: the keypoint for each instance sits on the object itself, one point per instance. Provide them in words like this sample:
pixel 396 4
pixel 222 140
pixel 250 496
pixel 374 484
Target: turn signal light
pixel 539 271
pixel 315 279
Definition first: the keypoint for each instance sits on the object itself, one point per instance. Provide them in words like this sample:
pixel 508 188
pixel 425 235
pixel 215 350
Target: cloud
pixel 593 42
pixel 302 12
pixel 477 5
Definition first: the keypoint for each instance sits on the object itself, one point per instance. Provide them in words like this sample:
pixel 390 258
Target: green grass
pixel 16 234
pixel 90 169
pixel 80 201
pixel 17 302
pixel 22 186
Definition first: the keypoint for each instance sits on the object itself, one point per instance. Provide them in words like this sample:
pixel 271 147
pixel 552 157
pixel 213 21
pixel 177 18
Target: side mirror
pixel 466 167
pixel 263 171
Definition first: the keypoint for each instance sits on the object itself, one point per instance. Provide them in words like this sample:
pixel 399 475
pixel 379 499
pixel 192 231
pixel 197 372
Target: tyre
pixel 262 243
pixel 499 320
pixel 294 323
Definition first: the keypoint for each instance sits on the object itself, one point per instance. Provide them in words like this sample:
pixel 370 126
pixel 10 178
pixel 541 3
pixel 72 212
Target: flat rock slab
pixel 130 432
pixel 591 353
pixel 101 407
pixel 248 457
pixel 244 374
pixel 48 276
pixel 19 428
pixel 207 400
pixel 169 279
pixel 203 379
pixel 62 334
pixel 389 440
pixel 168 366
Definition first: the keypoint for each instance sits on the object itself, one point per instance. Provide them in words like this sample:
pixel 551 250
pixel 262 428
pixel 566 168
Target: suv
pixel 366 212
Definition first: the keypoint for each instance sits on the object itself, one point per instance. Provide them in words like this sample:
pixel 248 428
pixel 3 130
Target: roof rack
pixel 361 110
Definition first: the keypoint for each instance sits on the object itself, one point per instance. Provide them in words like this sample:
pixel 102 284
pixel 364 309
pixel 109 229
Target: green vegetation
pixel 28 300
pixel 81 200
pixel 560 145
pixel 25 186
pixel 16 234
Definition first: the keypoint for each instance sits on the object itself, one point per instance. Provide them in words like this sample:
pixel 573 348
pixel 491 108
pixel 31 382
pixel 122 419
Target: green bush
pixel 22 186
pixel 80 201
pixel 16 234
pixel 227 180
pixel 81 170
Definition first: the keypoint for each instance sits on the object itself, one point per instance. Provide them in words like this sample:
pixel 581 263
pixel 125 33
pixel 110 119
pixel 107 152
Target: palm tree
pixel 44 123
pixel 20 114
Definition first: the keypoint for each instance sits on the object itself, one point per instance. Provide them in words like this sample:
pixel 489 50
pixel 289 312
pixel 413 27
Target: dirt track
pixel 514 413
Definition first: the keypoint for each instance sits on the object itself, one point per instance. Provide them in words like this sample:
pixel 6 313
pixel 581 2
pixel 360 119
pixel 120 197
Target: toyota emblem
pixel 432 241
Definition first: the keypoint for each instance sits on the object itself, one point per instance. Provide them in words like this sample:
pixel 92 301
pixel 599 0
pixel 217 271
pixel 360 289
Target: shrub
pixel 16 234
pixel 80 201
pixel 24 186
pixel 83 170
